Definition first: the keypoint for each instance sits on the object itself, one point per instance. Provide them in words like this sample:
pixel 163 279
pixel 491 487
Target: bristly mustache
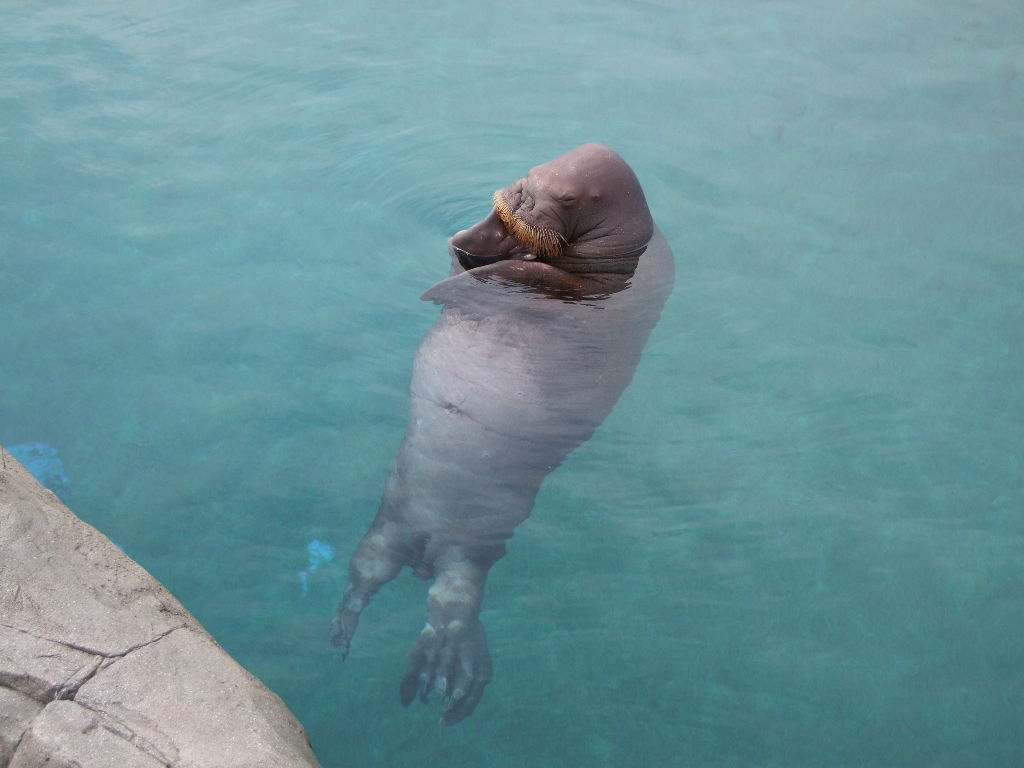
pixel 545 242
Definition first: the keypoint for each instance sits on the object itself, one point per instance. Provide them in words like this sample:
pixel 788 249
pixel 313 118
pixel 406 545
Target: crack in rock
pixel 67 734
pixel 68 689
pixel 108 660
pixel 107 722
pixel 67 674
pixel 93 651
pixel 72 646
pixel 76 680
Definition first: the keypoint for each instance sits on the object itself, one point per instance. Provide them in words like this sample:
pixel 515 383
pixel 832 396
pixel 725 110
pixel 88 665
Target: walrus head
pixel 583 213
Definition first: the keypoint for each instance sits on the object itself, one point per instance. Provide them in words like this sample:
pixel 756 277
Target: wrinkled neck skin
pixel 564 277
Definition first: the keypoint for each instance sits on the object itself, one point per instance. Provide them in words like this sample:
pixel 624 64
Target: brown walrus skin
pixel 549 304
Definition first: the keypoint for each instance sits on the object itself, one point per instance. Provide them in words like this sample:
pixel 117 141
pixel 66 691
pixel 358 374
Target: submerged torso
pixel 505 384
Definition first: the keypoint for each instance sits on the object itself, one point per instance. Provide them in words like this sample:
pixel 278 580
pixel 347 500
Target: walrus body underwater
pixel 549 303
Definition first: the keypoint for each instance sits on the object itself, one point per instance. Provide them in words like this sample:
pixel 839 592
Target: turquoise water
pixel 797 541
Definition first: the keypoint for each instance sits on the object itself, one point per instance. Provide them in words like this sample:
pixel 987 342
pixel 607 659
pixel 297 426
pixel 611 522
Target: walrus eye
pixel 566 197
pixel 545 242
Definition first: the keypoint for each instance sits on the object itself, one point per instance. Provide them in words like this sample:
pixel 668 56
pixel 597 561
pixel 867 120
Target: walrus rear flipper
pixel 376 562
pixel 450 658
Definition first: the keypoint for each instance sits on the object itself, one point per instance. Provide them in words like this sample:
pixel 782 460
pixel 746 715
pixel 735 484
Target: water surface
pixel 798 539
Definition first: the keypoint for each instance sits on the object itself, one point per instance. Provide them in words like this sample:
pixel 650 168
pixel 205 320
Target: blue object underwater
pixel 319 552
pixel 43 461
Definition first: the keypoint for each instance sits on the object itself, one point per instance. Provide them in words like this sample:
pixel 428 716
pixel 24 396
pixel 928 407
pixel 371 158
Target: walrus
pixel 546 310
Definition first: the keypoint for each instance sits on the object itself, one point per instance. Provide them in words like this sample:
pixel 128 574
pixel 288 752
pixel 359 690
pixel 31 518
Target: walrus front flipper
pixel 376 562
pixel 535 276
pixel 450 657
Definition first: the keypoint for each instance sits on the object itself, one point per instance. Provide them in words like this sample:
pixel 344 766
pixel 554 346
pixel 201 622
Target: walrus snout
pixel 486 243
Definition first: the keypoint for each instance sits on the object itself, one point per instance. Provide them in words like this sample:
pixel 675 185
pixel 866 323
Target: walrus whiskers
pixel 547 243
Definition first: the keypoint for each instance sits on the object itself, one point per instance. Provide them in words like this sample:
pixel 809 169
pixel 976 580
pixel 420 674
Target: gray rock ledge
pixel 101 666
